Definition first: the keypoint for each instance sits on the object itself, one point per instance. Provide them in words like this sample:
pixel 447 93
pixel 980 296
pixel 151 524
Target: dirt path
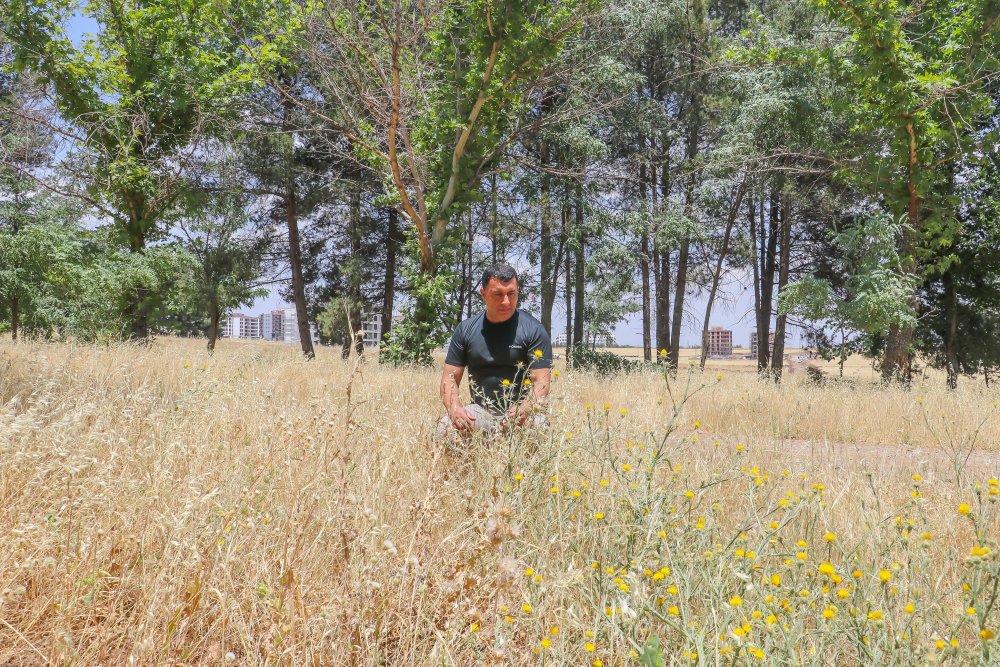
pixel 882 457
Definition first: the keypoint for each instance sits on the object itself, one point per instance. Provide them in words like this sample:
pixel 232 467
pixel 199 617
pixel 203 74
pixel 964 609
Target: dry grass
pixel 162 507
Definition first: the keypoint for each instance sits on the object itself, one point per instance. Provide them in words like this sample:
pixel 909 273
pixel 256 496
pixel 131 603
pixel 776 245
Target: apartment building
pixel 273 325
pixel 602 340
pixel 371 329
pixel 753 342
pixel 238 325
pixel 719 342
pixel 290 327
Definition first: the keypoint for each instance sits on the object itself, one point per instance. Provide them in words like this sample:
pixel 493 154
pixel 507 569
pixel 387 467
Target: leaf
pixel 652 654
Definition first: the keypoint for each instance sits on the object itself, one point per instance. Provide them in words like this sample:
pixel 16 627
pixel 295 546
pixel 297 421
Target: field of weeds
pixel 159 506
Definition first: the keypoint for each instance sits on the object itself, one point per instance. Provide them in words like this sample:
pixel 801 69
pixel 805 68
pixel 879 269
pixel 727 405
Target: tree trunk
pixel 778 353
pixel 896 363
pixel 138 304
pixel 663 302
pixel 581 278
pixel 494 221
pixel 295 258
pixel 678 316
pixel 951 330
pixel 389 286
pixel 647 339
pixel 663 253
pixel 693 127
pixel 734 211
pixel 471 279
pixel 294 245
pixel 214 316
pixel 463 282
pixel 843 350
pixel 768 256
pixel 568 295
pixel 549 265
pixel 354 340
pixel 644 259
pixel 14 319
pixel 752 219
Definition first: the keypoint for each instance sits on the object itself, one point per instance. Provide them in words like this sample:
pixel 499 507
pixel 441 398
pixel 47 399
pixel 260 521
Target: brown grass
pixel 161 506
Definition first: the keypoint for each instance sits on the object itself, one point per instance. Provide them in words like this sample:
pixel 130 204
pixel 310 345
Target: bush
pixel 602 363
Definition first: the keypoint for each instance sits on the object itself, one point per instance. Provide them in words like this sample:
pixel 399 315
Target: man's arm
pixel 541 379
pixel 451 380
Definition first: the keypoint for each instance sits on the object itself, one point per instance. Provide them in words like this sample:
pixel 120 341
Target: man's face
pixel 500 299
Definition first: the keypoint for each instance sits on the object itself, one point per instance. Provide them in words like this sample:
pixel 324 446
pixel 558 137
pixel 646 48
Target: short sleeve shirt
pixel 498 356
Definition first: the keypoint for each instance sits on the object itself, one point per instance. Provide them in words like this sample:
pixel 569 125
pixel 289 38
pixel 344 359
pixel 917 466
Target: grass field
pixel 856 367
pixel 160 506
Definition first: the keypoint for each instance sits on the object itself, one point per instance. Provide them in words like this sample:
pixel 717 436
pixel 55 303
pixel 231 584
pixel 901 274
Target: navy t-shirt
pixel 494 352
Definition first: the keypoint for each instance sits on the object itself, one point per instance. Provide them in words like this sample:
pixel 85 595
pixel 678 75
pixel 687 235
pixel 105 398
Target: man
pixel 509 358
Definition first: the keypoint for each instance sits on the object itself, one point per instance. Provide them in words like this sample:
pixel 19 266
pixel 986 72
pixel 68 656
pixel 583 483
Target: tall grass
pixel 161 506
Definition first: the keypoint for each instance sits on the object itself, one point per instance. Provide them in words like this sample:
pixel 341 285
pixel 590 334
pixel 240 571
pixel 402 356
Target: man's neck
pixel 508 319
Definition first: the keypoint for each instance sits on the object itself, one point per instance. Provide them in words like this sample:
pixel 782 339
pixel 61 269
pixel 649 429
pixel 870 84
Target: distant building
pixel 371 329
pixel 273 325
pixel 719 342
pixel 753 343
pixel 238 325
pixel 290 327
pixel 602 340
pixel 280 325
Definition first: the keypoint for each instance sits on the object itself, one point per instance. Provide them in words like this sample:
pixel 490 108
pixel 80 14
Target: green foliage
pixel 485 58
pixel 137 97
pixel 40 277
pixel 442 90
pixel 874 295
pixel 334 320
pixel 429 319
pixel 226 255
pixel 152 79
pixel 601 362
pixel 652 654
pixel 611 297
pixel 72 283
pixel 111 279
pixel 917 78
pixel 962 321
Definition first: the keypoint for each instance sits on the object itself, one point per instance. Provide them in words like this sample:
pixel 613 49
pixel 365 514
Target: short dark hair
pixel 500 271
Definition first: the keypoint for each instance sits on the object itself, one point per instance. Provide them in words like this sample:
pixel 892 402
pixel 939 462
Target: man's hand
pixel 463 420
pixel 517 415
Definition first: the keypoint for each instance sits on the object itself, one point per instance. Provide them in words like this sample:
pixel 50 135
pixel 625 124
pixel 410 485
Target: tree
pixel 612 291
pixel 215 230
pixel 960 328
pixel 36 227
pixel 430 95
pixel 918 77
pixel 136 98
pixel 872 299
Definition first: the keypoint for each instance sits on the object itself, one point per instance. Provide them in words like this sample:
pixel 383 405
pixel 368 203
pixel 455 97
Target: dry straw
pixel 159 506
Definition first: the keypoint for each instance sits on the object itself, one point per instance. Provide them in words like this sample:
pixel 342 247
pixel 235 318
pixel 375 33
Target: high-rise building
pixel 753 342
pixel 290 327
pixel 238 325
pixel 371 329
pixel 719 342
pixel 598 339
pixel 273 327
